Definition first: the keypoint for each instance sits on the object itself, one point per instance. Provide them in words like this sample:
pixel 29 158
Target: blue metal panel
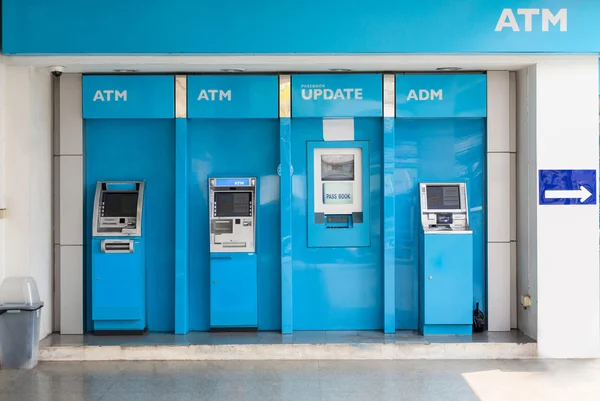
pixel 389 226
pixel 441 96
pixel 447 275
pixel 337 95
pixel 567 187
pixel 140 150
pixel 435 150
pixel 447 329
pixel 119 288
pixel 336 288
pixel 227 96
pixel 235 148
pixel 357 234
pixel 285 155
pixel 233 283
pixel 307 26
pixel 128 96
pixel 182 269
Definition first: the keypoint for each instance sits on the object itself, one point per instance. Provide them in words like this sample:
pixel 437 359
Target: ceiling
pixel 280 63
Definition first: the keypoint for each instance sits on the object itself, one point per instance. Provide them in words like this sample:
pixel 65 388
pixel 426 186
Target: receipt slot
pixel 118 258
pixel 338 194
pixel 445 260
pixel 233 261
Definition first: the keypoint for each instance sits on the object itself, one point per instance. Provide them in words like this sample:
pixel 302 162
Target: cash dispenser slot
pixel 117 246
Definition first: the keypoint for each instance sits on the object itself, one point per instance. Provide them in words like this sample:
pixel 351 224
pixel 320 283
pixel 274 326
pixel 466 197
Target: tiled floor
pixel 299 337
pixel 529 380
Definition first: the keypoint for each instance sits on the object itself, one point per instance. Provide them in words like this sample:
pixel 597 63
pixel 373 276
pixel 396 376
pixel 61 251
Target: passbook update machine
pixel 338 194
pixel 445 260
pixel 233 261
pixel 118 258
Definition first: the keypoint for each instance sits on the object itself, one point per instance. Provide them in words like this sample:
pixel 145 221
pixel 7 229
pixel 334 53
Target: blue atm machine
pixel 118 258
pixel 445 260
pixel 233 261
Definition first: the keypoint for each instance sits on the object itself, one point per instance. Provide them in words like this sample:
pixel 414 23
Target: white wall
pixel 558 129
pixel 26 189
pixel 526 201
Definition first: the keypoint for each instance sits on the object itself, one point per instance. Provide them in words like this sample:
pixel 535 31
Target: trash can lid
pixel 19 293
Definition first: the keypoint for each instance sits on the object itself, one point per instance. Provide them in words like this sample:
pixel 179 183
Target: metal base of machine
pixel 120 332
pixel 233 329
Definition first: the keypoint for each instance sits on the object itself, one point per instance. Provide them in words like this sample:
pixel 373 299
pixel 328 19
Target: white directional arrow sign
pixel 582 194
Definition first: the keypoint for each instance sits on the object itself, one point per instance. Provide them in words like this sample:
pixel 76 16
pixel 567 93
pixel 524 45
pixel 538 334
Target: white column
pixel 3 134
pixel 28 227
pixel 68 234
pixel 498 201
pixel 565 103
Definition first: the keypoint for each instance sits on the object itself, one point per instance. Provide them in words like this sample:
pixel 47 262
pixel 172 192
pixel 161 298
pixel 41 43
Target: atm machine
pixel 445 260
pixel 233 261
pixel 118 258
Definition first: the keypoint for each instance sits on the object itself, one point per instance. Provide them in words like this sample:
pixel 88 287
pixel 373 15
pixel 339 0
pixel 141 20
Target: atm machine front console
pixel 444 207
pixel 232 215
pixel 118 208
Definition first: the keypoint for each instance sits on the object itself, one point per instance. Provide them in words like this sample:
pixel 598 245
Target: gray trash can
pixel 20 310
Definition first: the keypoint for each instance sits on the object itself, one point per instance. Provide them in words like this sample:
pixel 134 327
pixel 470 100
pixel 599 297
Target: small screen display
pixel 443 197
pixel 120 204
pixel 233 204
pixel 337 168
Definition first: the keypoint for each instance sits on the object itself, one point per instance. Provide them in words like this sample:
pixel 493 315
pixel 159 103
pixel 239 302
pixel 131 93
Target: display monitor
pixel 443 197
pixel 233 204
pixel 120 204
pixel 337 167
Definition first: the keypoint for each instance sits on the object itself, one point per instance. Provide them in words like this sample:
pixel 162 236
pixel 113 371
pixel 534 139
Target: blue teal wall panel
pixel 336 288
pixel 239 147
pixel 435 150
pixel 342 95
pixel 140 150
pixel 231 96
pixel 285 155
pixel 441 96
pixel 389 224
pixel 307 26
pixel 128 96
pixel 182 243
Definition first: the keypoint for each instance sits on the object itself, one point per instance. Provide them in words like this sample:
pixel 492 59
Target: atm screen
pixel 337 167
pixel 120 204
pixel 443 197
pixel 233 204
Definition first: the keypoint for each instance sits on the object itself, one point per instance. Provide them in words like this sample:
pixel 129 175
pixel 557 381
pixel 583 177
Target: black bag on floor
pixel 478 319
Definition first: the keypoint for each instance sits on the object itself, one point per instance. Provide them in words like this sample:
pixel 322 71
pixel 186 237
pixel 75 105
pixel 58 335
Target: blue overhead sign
pixel 128 96
pixel 227 96
pixel 337 95
pixel 299 26
pixel 441 96
pixel 567 187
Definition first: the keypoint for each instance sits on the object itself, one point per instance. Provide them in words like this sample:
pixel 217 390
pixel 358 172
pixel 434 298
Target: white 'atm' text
pixel 214 94
pixel 107 95
pixel 508 20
